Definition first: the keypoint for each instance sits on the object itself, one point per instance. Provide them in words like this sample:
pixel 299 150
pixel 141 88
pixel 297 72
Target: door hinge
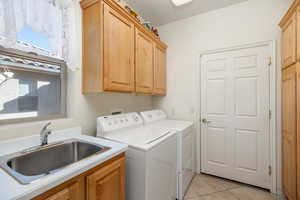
pixel 270 114
pixel 269 60
pixel 270 170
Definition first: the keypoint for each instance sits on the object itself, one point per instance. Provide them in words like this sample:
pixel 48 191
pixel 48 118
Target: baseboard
pixel 280 195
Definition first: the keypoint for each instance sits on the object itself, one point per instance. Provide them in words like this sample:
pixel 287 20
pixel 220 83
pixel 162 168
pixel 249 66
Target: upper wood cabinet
pixel 289 42
pixel 150 66
pixel 160 85
pixel 92 66
pixel 108 55
pixel 144 63
pixel 119 53
pixel 107 183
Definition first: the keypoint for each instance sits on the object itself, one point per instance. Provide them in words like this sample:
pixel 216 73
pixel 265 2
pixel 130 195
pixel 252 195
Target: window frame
pixel 63 76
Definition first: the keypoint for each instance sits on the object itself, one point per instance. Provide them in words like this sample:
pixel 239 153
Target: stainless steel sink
pixel 37 162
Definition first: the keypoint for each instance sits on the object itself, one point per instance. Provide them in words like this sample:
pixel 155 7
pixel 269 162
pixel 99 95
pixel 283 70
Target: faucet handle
pixel 46 126
pixel 44 134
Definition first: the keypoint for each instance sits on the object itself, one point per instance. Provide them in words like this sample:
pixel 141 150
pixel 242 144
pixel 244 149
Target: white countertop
pixel 10 189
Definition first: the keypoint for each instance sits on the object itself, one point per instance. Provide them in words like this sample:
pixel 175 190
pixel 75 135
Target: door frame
pixel 275 117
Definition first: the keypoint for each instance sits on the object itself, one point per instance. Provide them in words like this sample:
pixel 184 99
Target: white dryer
pixel 151 160
pixel 186 145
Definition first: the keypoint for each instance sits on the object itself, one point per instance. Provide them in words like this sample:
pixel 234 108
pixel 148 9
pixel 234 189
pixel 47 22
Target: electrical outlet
pixel 117 111
pixel 173 111
pixel 192 110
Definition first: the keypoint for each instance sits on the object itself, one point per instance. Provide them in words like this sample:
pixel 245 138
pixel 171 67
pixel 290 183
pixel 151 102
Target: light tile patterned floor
pixel 205 187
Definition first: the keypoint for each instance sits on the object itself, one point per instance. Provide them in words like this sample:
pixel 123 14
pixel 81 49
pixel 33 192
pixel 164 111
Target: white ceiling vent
pixel 181 2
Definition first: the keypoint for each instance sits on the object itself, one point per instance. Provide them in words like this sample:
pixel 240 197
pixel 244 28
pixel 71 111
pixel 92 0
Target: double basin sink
pixel 32 164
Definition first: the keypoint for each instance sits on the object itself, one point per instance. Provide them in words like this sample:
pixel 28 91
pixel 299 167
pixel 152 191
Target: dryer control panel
pixel 117 122
pixel 153 116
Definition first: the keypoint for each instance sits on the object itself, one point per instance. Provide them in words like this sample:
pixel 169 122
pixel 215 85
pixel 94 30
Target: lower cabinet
pixel 69 193
pixel 104 182
pixel 107 183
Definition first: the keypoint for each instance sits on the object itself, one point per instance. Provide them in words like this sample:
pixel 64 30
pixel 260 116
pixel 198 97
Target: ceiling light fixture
pixel 181 2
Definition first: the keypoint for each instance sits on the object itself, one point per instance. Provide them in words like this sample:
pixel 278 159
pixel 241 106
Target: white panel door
pixel 235 115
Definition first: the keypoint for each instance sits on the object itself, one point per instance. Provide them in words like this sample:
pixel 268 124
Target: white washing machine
pixel 186 145
pixel 151 160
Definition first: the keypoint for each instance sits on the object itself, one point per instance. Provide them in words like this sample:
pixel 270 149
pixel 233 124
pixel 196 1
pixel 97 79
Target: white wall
pixel 86 108
pixel 249 22
pixel 244 23
pixel 82 109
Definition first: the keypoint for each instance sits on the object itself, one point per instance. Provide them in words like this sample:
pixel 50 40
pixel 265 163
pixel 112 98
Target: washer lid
pixel 142 138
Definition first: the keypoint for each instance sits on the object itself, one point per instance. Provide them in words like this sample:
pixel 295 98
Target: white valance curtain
pixel 57 19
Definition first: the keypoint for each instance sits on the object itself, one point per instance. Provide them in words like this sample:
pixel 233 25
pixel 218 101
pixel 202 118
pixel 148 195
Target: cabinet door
pixel 118 52
pixel 144 65
pixel 108 183
pixel 289 143
pixel 298 33
pixel 160 85
pixel 69 193
pixel 298 130
pixel 289 42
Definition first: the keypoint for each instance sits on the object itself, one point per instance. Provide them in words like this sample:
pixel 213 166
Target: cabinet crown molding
pixel 113 4
pixel 289 13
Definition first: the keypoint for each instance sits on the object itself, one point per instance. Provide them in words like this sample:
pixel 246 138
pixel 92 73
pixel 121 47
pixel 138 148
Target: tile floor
pixel 205 187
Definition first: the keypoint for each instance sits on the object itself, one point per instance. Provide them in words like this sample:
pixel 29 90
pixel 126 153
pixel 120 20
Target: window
pixel 28 95
pixel 28 36
pixel 31 87
pixel 45 27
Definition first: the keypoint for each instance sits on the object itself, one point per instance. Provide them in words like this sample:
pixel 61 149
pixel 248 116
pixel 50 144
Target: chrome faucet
pixel 45 132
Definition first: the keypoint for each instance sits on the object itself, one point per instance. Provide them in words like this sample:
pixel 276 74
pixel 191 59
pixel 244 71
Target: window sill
pixel 29 117
pixel 11 131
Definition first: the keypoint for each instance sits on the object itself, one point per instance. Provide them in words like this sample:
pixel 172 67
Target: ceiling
pixel 160 12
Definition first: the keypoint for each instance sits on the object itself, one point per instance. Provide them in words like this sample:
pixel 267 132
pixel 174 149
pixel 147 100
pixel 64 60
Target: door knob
pixel 205 121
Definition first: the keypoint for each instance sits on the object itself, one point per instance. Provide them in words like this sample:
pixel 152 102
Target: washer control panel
pixel 117 122
pixel 153 115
